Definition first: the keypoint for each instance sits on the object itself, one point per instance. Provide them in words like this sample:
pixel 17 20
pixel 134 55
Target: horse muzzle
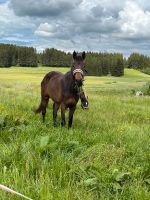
pixel 78 75
pixel 79 82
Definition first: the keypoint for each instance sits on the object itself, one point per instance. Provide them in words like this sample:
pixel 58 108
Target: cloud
pixel 134 21
pixel 106 10
pixel 42 8
pixel 2 1
pixel 47 30
pixel 13 28
pixel 97 25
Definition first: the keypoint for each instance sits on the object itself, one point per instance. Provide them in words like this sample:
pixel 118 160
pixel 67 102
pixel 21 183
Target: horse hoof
pixel 62 124
pixel 55 125
pixel 85 108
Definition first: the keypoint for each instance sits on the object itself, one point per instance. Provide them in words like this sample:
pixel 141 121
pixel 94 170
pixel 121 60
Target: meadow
pixel 105 155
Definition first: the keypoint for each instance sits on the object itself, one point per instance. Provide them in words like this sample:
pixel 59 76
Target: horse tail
pixel 39 109
pixel 44 82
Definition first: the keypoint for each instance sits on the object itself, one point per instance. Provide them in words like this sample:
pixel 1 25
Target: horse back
pixel 48 76
pixel 51 86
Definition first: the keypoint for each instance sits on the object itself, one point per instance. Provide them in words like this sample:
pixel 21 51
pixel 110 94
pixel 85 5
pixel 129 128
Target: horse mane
pixel 69 81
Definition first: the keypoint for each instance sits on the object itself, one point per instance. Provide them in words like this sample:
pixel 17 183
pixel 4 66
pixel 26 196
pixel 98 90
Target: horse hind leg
pixel 63 120
pixel 55 109
pixel 44 103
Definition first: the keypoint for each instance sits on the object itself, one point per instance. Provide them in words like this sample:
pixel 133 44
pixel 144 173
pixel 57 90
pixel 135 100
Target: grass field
pixel 105 155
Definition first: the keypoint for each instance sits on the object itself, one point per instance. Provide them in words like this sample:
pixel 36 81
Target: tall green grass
pixel 105 155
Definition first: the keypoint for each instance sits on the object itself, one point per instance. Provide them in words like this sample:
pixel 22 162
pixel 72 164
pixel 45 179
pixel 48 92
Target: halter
pixel 77 70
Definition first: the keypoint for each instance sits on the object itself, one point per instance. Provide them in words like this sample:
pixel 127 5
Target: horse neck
pixel 70 82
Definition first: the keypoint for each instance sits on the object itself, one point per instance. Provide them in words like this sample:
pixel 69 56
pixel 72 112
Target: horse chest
pixel 71 101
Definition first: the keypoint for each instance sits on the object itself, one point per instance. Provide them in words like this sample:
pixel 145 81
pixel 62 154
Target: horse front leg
pixel 63 120
pixel 55 109
pixel 71 112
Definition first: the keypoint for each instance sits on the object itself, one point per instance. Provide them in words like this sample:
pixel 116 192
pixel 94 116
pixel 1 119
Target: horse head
pixel 78 68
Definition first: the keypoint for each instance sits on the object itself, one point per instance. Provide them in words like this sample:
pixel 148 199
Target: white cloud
pixel 45 30
pixel 12 24
pixel 10 20
pixel 14 28
pixel 52 30
pixel 134 21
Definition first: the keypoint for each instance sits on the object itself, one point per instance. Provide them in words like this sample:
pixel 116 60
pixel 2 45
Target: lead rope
pixel 6 189
pixel 80 91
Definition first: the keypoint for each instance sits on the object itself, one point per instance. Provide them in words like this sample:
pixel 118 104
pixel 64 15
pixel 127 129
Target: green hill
pixel 135 73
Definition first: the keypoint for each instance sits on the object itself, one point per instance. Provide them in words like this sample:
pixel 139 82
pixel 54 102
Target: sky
pixel 82 25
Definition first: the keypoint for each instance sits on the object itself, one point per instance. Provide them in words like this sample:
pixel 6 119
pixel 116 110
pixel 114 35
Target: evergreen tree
pixel 138 61
pixel 7 55
pixel 117 67
pixel 27 57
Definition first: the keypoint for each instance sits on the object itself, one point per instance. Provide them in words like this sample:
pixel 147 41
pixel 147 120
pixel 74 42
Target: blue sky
pixel 97 25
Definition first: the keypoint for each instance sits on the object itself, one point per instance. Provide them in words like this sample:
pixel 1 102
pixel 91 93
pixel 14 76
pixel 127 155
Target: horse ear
pixel 74 55
pixel 83 55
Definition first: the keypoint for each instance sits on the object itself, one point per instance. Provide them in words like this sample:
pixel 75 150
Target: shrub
pixel 146 88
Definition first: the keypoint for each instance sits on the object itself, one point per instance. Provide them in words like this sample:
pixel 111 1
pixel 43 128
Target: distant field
pixel 106 154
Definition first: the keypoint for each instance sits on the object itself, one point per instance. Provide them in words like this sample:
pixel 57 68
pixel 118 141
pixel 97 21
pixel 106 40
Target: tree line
pixel 55 58
pixel 98 64
pixel 12 55
pixel 102 64
pixel 140 62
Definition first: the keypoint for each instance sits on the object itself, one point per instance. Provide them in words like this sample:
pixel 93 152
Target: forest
pixel 97 63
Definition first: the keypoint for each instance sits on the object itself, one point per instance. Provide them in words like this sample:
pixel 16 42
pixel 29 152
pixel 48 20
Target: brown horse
pixel 64 90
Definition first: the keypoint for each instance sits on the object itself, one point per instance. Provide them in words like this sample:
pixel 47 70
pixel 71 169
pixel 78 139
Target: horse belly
pixel 54 90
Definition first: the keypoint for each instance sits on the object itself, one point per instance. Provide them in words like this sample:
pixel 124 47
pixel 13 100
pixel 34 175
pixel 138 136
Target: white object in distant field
pixel 139 93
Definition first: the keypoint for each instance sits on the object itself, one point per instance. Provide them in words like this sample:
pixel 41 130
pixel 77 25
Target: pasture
pixel 105 155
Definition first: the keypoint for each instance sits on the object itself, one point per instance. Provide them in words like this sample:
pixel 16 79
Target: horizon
pixel 38 52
